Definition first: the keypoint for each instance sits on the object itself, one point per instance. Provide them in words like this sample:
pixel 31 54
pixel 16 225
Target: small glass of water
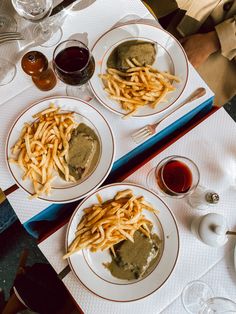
pixel 38 11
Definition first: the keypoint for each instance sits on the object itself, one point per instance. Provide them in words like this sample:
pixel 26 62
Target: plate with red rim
pixel 62 191
pixel 170 57
pixel 89 269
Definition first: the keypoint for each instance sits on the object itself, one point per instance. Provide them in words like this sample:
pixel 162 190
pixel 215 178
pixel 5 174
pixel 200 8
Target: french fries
pixel 42 148
pixel 107 223
pixel 138 86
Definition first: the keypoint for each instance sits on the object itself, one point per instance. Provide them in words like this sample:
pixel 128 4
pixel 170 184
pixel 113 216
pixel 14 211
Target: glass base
pixel 7 72
pixel 82 92
pixel 195 296
pixel 7 23
pixel 49 37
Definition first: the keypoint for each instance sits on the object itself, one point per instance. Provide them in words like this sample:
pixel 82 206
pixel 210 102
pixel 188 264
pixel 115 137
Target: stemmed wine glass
pixel 174 176
pixel 198 298
pixel 38 11
pixel 74 65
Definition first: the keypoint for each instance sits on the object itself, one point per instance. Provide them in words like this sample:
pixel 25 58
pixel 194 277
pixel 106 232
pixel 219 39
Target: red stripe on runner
pixel 11 189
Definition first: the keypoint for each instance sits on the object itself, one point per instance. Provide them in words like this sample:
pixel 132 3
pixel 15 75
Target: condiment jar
pixel 203 198
pixel 210 229
pixel 35 64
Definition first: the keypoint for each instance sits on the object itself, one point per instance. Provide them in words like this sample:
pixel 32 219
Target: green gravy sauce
pixel 131 258
pixel 84 151
pixel 143 51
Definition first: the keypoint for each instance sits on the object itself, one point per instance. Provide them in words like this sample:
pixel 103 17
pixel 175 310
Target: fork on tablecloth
pixel 8 36
pixel 150 129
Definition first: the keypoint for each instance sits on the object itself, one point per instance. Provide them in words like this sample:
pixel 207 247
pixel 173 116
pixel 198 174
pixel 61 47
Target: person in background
pixel 207 31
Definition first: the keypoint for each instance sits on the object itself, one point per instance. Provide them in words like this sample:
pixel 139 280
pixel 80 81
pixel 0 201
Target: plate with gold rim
pixel 89 267
pixel 170 57
pixel 62 191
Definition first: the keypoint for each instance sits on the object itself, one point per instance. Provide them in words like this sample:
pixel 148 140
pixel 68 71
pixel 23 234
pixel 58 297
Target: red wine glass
pixel 74 65
pixel 174 176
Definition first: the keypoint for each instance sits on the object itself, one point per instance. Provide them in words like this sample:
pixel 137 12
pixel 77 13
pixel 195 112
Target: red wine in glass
pixel 74 65
pixel 175 176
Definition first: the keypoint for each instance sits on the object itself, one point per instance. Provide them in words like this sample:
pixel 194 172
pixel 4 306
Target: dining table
pixel 196 260
pixel 199 131
pixel 84 23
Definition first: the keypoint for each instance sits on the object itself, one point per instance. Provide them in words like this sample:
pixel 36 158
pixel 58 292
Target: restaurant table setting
pixel 20 94
pixel 122 133
pixel 196 260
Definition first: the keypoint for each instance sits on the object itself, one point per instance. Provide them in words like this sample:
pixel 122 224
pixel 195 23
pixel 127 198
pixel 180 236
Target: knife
pixel 58 8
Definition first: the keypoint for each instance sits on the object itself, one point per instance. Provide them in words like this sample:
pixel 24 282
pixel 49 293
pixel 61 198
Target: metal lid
pixel 212 197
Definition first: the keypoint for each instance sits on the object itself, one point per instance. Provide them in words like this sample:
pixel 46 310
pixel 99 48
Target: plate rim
pixel 35 104
pixel 176 41
pixel 235 257
pixel 81 204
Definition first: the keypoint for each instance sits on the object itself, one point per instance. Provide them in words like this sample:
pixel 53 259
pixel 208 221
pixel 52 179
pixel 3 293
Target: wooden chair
pixel 14 305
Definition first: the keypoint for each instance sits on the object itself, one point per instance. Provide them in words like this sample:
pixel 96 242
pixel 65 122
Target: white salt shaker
pixel 210 229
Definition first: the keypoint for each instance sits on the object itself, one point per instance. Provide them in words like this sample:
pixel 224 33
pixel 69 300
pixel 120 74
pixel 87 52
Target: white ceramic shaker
pixel 210 229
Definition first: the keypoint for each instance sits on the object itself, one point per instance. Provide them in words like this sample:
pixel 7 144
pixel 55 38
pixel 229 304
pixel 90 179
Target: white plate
pixel 62 191
pixel 88 267
pixel 170 57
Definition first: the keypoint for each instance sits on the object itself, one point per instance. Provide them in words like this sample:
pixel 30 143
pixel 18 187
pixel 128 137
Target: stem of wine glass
pixel 83 92
pixel 45 26
pixel 49 35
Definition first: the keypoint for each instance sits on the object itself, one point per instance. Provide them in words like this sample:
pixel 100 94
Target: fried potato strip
pixel 138 86
pixel 107 223
pixel 42 148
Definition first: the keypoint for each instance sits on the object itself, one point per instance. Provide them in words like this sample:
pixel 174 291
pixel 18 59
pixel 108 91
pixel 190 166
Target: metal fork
pixel 150 129
pixel 8 36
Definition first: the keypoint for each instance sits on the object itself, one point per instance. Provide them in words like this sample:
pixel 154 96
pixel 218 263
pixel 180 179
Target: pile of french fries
pixel 42 148
pixel 138 86
pixel 107 223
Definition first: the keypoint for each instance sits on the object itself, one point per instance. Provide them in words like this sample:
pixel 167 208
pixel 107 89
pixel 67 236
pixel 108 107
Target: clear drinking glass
pixel 174 176
pixel 7 71
pixel 74 65
pixel 198 298
pixel 38 11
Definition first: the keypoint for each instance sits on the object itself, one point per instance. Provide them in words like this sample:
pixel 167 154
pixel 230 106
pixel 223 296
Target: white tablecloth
pixel 212 146
pixel 91 22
